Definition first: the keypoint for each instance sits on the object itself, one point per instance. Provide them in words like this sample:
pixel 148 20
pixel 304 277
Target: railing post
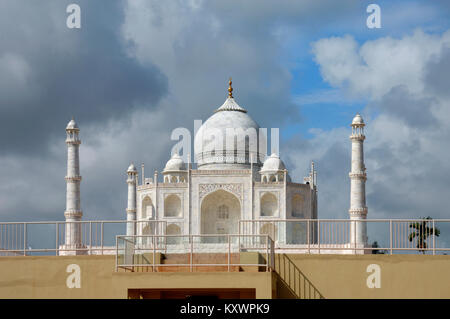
pixel 272 255
pixel 191 252
pixel 267 253
pixel 239 236
pixel 24 239
pixel 390 235
pixel 229 252
pixel 101 235
pixel 154 251
pixel 434 239
pixel 165 241
pixel 90 237
pixel 239 243
pixel 57 238
pixel 117 253
pixel 308 235
pixel 318 235
pixel 239 228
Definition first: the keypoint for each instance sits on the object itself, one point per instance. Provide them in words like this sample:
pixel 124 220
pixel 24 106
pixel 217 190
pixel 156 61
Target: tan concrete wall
pixel 299 276
pixel 45 277
pixel 340 276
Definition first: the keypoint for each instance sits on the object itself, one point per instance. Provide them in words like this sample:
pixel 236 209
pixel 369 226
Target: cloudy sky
pixel 138 69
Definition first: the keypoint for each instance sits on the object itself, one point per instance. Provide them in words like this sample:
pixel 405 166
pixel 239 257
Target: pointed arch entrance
pixel 220 213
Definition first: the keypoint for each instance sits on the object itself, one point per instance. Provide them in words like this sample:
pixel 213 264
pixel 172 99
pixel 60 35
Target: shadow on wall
pixel 292 282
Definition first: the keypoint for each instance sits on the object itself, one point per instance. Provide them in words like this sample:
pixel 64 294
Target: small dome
pixel 273 163
pixel 72 125
pixel 358 120
pixel 131 169
pixel 175 164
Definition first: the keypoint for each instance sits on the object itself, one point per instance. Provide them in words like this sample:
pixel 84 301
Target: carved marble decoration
pixel 234 188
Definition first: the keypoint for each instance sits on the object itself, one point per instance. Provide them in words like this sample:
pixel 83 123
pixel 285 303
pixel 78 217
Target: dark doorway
pixel 192 294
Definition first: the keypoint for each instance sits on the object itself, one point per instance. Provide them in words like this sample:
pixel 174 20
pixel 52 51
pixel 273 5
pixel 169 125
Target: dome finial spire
pixel 230 89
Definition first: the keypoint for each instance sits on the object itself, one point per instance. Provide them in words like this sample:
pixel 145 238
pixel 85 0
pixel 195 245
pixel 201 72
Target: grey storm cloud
pixel 50 72
pixel 438 70
pixel 405 106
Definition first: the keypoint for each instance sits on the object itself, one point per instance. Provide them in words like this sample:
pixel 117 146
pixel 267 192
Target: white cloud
pixel 407 124
pixel 377 66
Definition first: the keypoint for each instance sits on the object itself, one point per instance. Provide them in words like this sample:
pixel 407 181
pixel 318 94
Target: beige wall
pixel 304 276
pixel 45 277
pixel 343 276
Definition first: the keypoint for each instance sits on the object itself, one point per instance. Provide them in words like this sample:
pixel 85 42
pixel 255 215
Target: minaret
pixel 358 208
pixel 73 211
pixel 131 207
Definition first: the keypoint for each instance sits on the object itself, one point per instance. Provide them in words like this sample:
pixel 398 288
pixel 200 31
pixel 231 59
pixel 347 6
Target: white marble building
pixel 225 187
pixel 232 188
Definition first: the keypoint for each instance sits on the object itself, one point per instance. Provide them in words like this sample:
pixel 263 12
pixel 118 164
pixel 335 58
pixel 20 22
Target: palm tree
pixel 422 232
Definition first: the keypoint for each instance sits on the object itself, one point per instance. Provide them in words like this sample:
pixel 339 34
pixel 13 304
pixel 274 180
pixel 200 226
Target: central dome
pixel 229 139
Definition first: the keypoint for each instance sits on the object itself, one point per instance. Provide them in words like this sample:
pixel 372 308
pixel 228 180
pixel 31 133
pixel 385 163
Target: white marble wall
pixel 238 183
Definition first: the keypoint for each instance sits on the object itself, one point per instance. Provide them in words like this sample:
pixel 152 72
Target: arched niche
pixel 147 229
pixel 268 229
pixel 297 205
pixel 172 206
pixel 173 229
pixel 147 208
pixel 220 213
pixel 269 205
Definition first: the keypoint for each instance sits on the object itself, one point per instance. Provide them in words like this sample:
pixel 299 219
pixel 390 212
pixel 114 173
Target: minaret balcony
pixel 73 213
pixel 358 175
pixel 358 212
pixel 73 141
pixel 358 137
pixel 131 180
pixel 73 178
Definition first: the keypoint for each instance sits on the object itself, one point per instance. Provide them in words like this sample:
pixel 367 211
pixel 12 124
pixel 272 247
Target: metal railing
pixel 293 235
pixel 46 238
pixel 385 236
pixel 192 252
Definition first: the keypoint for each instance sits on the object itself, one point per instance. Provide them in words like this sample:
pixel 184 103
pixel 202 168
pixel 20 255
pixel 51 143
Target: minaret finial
pixel 230 89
